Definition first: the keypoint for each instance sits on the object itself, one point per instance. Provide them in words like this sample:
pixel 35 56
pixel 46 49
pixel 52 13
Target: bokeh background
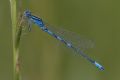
pixel 44 58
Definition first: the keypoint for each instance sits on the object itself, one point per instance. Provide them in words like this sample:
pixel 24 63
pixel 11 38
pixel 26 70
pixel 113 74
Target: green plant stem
pixel 15 41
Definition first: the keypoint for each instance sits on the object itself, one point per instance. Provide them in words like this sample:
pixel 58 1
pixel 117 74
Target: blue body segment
pixel 40 23
pixel 98 65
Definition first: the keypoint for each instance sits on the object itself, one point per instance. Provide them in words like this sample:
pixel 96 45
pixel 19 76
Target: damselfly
pixel 78 47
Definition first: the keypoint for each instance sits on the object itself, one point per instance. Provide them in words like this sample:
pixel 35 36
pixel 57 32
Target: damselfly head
pixel 27 14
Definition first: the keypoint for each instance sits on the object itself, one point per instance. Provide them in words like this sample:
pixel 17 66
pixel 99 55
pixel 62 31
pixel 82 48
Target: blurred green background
pixel 42 58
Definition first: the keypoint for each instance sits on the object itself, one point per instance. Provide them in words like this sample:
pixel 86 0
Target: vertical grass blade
pixel 16 34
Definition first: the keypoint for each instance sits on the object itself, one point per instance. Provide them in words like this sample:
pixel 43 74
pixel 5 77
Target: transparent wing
pixel 79 42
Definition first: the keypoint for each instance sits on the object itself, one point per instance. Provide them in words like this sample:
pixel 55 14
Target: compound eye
pixel 27 13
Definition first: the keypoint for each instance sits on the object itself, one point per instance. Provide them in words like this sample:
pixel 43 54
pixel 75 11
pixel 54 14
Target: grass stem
pixel 15 40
